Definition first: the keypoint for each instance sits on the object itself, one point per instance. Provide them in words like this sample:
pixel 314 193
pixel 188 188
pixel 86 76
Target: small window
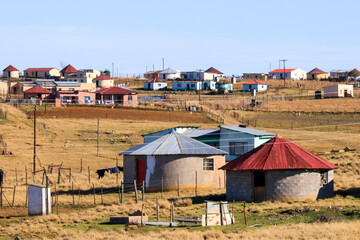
pixel 208 164
pixel 71 89
pixel 179 84
pixel 324 178
pixel 130 98
pixel 237 148
pixel 159 84
pixel 193 85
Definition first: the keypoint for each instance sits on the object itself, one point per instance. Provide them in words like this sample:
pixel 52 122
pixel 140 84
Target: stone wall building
pixel 174 160
pixel 279 171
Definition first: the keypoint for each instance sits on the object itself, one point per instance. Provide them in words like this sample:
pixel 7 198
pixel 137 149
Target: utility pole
pixel 97 144
pixel 112 72
pixel 284 60
pixel 34 139
pixel 163 64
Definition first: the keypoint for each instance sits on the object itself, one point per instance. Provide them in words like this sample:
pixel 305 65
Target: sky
pixel 234 36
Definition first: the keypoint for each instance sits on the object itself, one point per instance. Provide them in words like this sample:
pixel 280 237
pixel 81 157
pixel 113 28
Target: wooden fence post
pixel 25 175
pixel 136 192
pixel 94 194
pixel 178 185
pixel 16 176
pixel 196 188
pixel 245 220
pixel 143 191
pixel 122 192
pixel 69 174
pixel 13 201
pixel 102 199
pixel 89 173
pixel 157 210
pixel 81 165
pixel 117 172
pixel 73 193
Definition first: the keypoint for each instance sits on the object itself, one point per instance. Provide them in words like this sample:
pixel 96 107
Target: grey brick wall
pixel 239 186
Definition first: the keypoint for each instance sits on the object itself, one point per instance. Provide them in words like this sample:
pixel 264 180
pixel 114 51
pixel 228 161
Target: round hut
pixel 174 161
pixel 278 170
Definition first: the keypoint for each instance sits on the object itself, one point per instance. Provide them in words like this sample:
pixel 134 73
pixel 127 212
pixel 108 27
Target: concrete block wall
pixel 239 186
pixel 327 191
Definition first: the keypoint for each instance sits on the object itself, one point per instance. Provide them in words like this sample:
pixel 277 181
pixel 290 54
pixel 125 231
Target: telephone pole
pixel 34 139
pixel 284 60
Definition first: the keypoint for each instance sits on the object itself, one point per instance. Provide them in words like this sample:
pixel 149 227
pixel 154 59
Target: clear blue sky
pixel 233 36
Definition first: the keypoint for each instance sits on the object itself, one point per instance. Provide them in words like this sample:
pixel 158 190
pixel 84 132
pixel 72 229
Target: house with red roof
pixel 152 74
pixel 255 84
pixel 74 97
pixel 41 72
pixel 294 74
pixel 11 72
pixel 117 96
pixel 210 74
pixel 155 84
pixel 279 170
pixel 103 81
pixel 38 92
pixel 317 74
pixel 68 71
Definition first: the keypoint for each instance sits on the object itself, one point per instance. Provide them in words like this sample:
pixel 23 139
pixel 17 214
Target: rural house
pixel 208 85
pixel 294 74
pixel 174 160
pixel 152 74
pixel 68 71
pixel 237 140
pixel 170 74
pixel 41 72
pixel 186 85
pixel 260 76
pixel 155 84
pixel 103 81
pixel 338 73
pixel 84 76
pixel 37 92
pixel 279 171
pixel 210 74
pixel 317 74
pixel 225 85
pixel 338 90
pixel 213 74
pixel 255 84
pixel 117 95
pixel 11 72
pixel 74 97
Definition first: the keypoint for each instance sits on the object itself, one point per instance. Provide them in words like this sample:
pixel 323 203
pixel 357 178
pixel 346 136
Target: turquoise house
pixel 255 84
pixel 224 84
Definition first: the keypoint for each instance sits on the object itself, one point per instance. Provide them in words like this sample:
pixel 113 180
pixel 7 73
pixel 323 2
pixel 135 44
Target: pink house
pixel 75 97
pixel 118 96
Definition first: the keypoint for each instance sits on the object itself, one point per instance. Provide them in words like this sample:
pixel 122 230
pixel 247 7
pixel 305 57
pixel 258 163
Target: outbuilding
pixel 255 84
pixel 103 81
pixel 155 84
pixel 42 72
pixel 11 72
pixel 68 71
pixel 174 160
pixel 338 91
pixel 317 74
pixel 279 171
pixel 170 74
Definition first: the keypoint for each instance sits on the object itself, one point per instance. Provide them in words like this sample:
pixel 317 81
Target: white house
pixel 155 84
pixel 209 74
pixel 208 85
pixel 338 90
pixel 295 74
pixel 170 74
pixel 213 74
pixel 42 72
pixel 84 76
pixel 186 85
pixel 255 84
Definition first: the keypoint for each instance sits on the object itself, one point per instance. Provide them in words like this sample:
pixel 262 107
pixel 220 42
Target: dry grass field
pixel 69 140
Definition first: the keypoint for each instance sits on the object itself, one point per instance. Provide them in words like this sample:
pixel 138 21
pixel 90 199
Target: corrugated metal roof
pixel 174 144
pixel 193 133
pixel 277 154
pixel 170 71
pixel 247 130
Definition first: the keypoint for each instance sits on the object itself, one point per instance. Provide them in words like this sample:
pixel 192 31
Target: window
pixel 130 98
pixel 324 178
pixel 208 164
pixel 179 84
pixel 193 85
pixel 159 84
pixel 71 89
pixel 82 80
pixel 237 148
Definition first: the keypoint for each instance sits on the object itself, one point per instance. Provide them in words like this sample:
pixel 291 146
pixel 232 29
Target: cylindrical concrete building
pixel 281 171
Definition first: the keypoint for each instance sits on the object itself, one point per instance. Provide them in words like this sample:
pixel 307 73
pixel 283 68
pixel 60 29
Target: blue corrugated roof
pixel 201 133
pixel 174 144
pixel 247 130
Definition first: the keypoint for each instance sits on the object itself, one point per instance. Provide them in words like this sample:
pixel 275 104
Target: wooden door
pixel 141 171
pixel 259 187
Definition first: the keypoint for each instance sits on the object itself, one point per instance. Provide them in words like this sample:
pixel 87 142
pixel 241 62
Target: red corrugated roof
pixel 37 89
pixel 116 90
pixel 282 70
pixel 316 71
pixel 255 81
pixel 278 154
pixel 10 68
pixel 37 69
pixel 213 70
pixel 103 77
pixel 156 80
pixel 69 69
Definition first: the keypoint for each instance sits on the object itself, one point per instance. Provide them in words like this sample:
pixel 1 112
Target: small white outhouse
pixel 39 200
